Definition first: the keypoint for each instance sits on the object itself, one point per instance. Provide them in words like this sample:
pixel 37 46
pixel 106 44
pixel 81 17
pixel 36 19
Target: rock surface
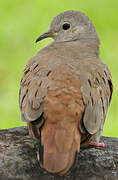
pixel 18 159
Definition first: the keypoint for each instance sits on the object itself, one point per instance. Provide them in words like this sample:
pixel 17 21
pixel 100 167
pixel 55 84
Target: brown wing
pixel 33 89
pixel 97 92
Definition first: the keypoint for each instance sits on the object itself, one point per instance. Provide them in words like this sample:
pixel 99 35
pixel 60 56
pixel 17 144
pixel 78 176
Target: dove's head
pixel 71 26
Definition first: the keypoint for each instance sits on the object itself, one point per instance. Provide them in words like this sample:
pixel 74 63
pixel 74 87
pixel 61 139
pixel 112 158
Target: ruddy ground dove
pixel 65 92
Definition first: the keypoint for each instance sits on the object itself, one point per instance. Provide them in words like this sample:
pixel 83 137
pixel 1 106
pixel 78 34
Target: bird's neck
pixel 79 48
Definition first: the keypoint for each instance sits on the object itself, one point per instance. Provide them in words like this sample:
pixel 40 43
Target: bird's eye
pixel 66 26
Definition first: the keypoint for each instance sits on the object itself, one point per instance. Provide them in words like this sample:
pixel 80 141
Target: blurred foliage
pixel 22 21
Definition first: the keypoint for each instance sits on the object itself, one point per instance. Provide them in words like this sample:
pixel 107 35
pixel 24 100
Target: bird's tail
pixel 58 147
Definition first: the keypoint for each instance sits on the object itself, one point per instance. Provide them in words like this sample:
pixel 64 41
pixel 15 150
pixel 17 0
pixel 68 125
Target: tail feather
pixel 60 147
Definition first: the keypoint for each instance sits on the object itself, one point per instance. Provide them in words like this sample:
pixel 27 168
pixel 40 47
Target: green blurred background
pixel 22 21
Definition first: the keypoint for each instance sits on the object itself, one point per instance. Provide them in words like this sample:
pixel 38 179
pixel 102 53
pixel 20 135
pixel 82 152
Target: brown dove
pixel 65 92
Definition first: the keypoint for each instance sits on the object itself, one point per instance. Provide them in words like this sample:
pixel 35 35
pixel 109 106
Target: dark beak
pixel 44 35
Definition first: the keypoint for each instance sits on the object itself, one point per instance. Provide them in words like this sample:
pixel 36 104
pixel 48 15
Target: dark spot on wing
pixel 111 89
pixel 48 73
pixel 104 80
pixel 89 82
pixel 97 80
